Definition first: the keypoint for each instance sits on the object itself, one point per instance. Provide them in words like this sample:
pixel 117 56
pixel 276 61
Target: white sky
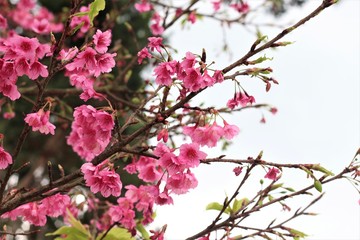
pixel 318 120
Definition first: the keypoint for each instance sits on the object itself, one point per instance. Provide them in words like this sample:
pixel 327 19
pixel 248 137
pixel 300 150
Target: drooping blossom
pixel 216 5
pixel 272 173
pixel 180 183
pixel 155 43
pixel 143 6
pixel 90 131
pixel 39 121
pixel 240 98
pixel 142 54
pixel 241 7
pixel 156 25
pixel 5 158
pixel 230 130
pixel 102 179
pixel 192 17
pixel 237 171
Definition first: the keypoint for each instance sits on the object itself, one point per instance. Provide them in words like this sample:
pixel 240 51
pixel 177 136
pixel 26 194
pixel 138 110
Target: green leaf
pixel 318 185
pixel 116 233
pixel 275 186
pixel 319 168
pixel 95 7
pixel 259 60
pixel 289 189
pixel 70 232
pixel 77 224
pixel 296 233
pixel 216 206
pixel 239 204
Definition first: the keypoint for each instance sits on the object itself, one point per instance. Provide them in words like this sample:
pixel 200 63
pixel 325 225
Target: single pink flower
pixel 230 130
pixel 5 158
pixel 102 40
pixel 192 17
pixel 237 171
pixel 102 179
pixel 144 6
pixel 37 69
pixel 242 7
pixel 155 43
pixel 142 54
pixel 164 72
pixel 39 121
pixel 272 173
pixel 216 5
pixel 191 155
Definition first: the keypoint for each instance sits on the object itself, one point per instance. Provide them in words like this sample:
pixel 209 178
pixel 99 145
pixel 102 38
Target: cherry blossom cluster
pixel 90 131
pixel 102 178
pixel 89 63
pixel 30 16
pixel 36 212
pixel 193 78
pixel 209 135
pixel 20 57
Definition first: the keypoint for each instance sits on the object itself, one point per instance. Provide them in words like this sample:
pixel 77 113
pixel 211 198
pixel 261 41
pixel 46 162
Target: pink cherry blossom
pixel 148 169
pixel 230 130
pixel 241 7
pixel 216 5
pixel 164 72
pixel 102 179
pixel 39 121
pixel 90 131
pixel 56 205
pixel 144 6
pixel 192 17
pixel 156 26
pixel 155 43
pixel 102 40
pixel 5 158
pixel 272 173
pixel 180 183
pixel 34 213
pixel 191 155
pixel 142 54
pixel 84 20
pixel 237 171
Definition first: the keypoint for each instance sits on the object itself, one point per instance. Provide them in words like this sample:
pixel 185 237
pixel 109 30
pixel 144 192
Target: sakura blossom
pixel 272 173
pixel 102 179
pixel 39 121
pixel 91 131
pixel 5 158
